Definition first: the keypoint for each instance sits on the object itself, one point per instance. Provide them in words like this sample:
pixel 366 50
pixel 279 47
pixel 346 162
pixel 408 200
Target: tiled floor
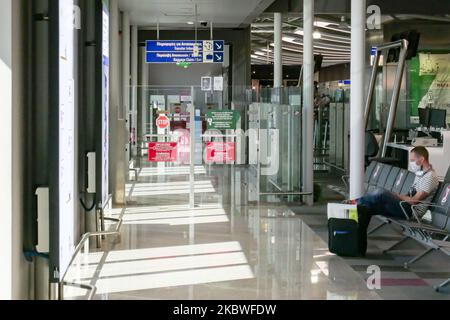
pixel 416 282
pixel 225 248
pixel 228 247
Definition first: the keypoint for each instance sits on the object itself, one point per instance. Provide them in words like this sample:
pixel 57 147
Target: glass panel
pixel 278 162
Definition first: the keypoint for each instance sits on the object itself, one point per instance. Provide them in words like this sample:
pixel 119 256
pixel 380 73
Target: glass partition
pixel 276 158
pixel 233 127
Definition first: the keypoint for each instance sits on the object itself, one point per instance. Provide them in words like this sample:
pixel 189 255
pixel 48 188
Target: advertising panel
pixel 66 134
pixel 105 103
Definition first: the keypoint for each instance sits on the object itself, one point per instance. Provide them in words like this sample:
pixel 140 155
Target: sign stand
pixel 192 153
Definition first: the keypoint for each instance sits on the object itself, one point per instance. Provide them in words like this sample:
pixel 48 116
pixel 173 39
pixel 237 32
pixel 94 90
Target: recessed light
pixel 190 22
pixel 288 39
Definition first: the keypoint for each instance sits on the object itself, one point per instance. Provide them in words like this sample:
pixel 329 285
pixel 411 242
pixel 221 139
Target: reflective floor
pixel 225 248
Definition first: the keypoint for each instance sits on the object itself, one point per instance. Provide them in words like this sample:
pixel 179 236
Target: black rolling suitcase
pixel 347 236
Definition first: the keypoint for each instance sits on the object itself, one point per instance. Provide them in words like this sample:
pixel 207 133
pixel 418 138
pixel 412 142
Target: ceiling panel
pixel 173 13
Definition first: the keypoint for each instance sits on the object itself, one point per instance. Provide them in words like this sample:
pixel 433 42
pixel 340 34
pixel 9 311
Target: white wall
pixel 119 135
pixel 13 267
pixel 19 99
pixel 171 75
pixel 6 147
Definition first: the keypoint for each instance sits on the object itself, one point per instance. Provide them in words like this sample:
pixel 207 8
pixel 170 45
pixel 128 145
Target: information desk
pixel 439 156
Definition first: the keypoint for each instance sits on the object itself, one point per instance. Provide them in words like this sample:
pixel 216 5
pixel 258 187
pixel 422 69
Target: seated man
pixel 385 203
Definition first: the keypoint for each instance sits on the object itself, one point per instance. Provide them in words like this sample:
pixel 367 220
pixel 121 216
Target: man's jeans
pixel 384 203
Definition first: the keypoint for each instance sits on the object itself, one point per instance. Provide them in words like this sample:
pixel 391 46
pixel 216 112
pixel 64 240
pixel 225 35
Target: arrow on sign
pixel 218 57
pixel 219 46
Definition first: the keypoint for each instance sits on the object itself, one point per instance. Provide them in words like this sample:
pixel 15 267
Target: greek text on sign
pixel 163 122
pixel 174 51
pixel 163 152
pixel 220 152
pixel 222 119
pixel 184 45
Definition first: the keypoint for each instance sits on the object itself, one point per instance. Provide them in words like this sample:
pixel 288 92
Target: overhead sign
pixel 222 119
pixel 162 152
pixel 163 122
pixel 177 51
pixel 220 152
pixel 344 82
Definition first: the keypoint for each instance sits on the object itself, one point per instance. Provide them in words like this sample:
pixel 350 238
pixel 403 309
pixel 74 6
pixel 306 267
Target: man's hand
pixel 419 197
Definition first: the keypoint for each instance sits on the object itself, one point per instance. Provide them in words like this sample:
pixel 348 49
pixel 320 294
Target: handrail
pixel 219 135
pixel 334 166
pixel 286 193
pixel 85 238
pixel 158 135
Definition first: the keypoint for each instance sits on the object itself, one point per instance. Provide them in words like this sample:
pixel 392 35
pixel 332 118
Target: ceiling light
pixel 190 22
pixel 299 32
pixel 288 39
pixel 322 24
pixel 317 35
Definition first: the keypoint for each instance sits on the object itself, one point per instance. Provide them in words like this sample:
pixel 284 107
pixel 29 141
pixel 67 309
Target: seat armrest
pixel 402 203
pixel 432 205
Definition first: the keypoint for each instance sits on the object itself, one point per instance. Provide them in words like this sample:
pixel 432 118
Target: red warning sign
pixel 220 152
pixel 162 152
pixel 163 122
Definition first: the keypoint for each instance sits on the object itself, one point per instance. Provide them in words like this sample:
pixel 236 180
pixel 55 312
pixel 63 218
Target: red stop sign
pixel 162 122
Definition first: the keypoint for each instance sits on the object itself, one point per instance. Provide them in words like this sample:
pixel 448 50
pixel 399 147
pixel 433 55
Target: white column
pixel 357 143
pixel 134 81
pixel 308 100
pixel 6 213
pixel 278 59
pixel 118 165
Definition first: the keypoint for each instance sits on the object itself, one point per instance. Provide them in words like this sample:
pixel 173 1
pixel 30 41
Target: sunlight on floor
pixel 172 171
pixel 167 188
pixel 143 269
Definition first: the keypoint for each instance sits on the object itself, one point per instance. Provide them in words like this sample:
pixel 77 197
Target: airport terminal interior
pixel 194 149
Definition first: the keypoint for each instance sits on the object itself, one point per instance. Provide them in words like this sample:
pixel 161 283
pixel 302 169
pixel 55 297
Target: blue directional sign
pixel 218 57
pixel 344 82
pixel 173 46
pixel 219 45
pixel 174 51
pixel 173 57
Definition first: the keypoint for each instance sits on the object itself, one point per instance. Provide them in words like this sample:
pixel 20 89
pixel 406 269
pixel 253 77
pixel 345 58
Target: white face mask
pixel 415 168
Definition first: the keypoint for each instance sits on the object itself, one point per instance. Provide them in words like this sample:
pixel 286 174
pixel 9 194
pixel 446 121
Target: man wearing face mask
pixel 383 202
